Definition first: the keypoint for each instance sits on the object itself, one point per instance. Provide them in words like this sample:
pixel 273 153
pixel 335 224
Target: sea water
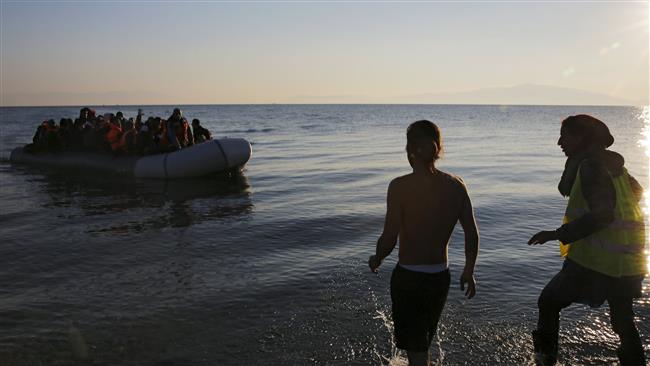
pixel 270 268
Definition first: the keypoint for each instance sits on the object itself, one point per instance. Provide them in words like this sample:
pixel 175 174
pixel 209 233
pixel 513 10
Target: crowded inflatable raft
pixel 155 148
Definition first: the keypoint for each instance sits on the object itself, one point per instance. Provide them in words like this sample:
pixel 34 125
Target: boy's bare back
pixel 426 206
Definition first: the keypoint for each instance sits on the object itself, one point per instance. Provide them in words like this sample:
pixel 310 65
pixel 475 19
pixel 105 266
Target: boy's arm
pixel 388 238
pixel 468 222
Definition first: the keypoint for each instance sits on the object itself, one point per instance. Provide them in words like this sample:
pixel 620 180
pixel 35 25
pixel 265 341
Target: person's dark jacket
pixel 147 143
pixel 201 134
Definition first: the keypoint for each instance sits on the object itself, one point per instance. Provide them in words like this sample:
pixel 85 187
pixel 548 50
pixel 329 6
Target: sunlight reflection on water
pixel 221 274
pixel 645 142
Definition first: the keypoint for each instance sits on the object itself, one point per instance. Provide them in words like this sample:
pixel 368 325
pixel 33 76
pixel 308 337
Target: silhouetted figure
pixel 65 133
pixel 83 118
pixel 422 210
pixel 138 120
pixel 119 119
pixel 129 139
pixel 602 240
pixel 201 134
pixel 148 139
pixel 47 137
pixel 40 138
pixel 178 132
pixel 95 137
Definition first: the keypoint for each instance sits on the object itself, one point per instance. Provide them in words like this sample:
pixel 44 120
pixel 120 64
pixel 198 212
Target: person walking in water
pixel 602 240
pixel 422 210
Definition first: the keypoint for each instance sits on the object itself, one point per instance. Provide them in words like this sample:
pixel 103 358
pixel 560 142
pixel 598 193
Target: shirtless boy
pixel 422 210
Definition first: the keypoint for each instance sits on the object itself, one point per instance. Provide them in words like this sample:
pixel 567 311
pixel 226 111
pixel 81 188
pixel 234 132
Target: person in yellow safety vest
pixel 602 240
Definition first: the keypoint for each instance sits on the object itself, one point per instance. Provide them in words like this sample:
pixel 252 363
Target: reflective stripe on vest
pixel 616 224
pixel 613 247
pixel 618 249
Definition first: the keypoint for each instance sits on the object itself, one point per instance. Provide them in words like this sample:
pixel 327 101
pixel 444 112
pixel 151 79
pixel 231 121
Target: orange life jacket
pixel 114 137
pixel 180 131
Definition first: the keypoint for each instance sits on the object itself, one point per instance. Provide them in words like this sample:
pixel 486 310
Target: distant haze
pixel 204 52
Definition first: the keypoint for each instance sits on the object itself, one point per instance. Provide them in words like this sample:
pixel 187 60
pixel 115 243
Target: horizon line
pixel 328 103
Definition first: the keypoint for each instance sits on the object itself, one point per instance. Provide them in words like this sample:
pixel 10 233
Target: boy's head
pixel 423 142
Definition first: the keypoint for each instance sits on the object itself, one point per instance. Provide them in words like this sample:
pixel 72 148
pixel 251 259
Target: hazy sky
pixel 194 52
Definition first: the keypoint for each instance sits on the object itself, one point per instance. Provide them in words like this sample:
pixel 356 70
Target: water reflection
pixel 123 205
pixel 645 143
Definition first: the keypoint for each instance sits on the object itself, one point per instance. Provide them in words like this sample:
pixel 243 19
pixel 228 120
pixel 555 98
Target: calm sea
pixel 270 268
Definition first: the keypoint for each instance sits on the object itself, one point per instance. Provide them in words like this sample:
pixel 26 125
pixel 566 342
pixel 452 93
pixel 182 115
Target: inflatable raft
pixel 206 158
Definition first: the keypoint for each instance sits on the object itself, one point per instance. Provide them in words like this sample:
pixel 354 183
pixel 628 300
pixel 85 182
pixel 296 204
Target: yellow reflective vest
pixel 618 249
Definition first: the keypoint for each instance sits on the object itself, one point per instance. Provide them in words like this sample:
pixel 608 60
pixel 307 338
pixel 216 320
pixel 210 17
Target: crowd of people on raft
pixel 113 133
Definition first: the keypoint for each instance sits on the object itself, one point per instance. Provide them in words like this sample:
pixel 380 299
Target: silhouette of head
pixel 423 142
pixel 582 132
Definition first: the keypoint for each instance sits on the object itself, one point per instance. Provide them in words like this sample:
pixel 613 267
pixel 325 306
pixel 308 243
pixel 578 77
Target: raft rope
pixel 165 164
pixel 223 152
pixel 225 157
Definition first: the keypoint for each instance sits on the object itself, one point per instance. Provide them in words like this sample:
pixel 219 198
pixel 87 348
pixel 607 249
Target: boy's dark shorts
pixel 418 299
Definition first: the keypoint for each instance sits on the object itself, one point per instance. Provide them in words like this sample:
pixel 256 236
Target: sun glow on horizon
pixel 324 52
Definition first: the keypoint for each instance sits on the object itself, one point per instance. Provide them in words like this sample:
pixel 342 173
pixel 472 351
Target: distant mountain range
pixel 527 94
pixel 524 94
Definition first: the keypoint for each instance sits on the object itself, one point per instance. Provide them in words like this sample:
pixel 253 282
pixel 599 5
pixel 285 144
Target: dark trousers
pixel 574 284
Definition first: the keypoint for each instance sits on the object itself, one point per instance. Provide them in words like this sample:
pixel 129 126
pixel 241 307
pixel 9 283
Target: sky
pixel 226 52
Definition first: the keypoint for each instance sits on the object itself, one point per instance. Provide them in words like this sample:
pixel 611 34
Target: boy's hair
pixel 424 131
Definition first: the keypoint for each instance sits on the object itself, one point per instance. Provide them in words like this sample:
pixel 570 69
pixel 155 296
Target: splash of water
pixel 397 358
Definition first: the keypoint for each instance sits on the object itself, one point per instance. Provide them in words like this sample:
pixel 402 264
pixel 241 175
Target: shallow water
pixel 270 267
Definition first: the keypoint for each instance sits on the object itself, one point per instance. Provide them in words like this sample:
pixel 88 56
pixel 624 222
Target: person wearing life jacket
pixel 48 136
pixel 40 132
pixel 129 138
pixel 164 145
pixel 114 133
pixel 40 141
pixel 119 116
pixel 179 134
pixel 189 136
pixel 77 129
pixel 602 240
pixel 83 118
pixel 148 140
